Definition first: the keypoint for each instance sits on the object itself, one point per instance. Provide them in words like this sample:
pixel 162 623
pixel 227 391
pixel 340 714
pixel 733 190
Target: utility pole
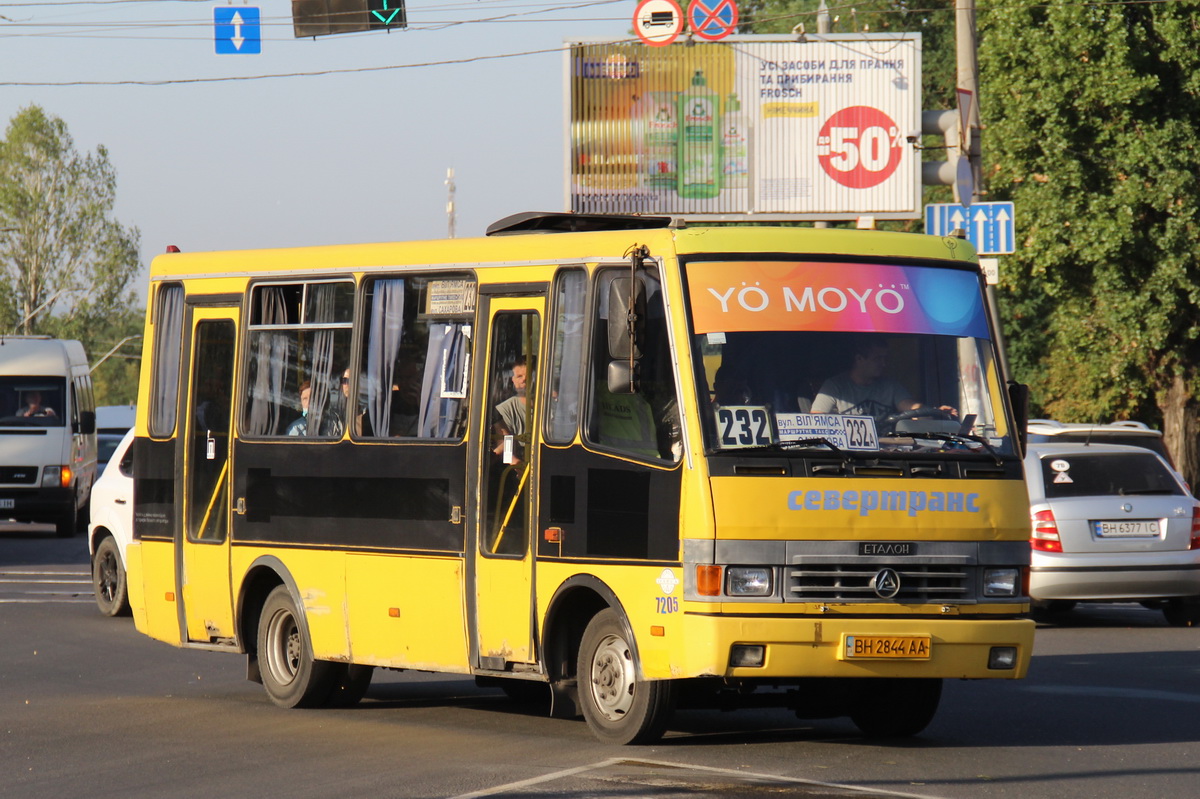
pixel 971 140
pixel 968 78
pixel 450 201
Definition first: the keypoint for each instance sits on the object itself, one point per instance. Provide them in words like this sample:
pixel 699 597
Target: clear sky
pixel 354 156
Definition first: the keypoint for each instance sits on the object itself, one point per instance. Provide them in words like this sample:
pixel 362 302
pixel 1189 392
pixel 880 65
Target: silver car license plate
pixel 1126 528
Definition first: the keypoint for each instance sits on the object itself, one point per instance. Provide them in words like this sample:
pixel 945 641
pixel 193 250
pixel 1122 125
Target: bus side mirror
pixel 87 422
pixel 626 318
pixel 622 378
pixel 1018 396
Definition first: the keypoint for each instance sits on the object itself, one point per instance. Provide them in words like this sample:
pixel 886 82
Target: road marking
pixel 47 582
pixel 1113 692
pixel 624 761
pixel 44 601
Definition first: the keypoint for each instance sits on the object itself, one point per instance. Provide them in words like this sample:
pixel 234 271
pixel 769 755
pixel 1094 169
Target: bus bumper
pixel 721 645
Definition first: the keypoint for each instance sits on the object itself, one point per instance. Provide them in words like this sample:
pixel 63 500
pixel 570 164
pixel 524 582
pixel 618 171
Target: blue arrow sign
pixel 237 30
pixel 990 226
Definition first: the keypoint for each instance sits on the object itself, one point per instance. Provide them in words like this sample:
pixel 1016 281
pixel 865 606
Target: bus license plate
pixel 7 503
pixel 1131 528
pixel 873 647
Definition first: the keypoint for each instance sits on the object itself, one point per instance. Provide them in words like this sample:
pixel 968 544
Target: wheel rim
pixel 108 577
pixel 284 647
pixel 613 678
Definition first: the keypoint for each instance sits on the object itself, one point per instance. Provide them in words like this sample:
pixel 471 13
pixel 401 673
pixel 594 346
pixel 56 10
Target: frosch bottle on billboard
pixel 735 134
pixel 656 115
pixel 699 141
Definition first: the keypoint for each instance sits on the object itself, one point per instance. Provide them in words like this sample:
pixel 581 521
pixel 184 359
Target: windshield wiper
pixel 958 438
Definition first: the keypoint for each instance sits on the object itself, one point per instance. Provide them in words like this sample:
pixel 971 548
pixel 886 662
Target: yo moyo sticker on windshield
pixel 741 426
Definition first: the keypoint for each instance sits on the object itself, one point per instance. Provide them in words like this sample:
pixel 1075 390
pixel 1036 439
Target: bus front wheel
pixel 289 673
pixel 895 708
pixel 619 708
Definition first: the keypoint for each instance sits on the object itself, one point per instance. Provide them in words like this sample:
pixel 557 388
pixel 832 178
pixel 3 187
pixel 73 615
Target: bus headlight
pixel 748 581
pixel 1001 582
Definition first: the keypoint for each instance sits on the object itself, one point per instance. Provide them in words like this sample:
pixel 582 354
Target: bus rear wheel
pixel 289 673
pixel 619 708
pixel 895 708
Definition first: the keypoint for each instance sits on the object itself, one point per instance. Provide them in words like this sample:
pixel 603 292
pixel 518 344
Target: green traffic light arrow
pixel 390 17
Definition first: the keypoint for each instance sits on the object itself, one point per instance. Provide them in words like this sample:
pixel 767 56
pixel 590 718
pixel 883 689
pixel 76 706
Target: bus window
pixel 511 378
pixel 299 334
pixel 566 364
pixel 416 357
pixel 644 423
pixel 164 383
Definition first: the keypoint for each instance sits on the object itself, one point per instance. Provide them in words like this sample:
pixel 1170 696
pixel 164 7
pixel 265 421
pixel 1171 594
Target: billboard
pixel 751 127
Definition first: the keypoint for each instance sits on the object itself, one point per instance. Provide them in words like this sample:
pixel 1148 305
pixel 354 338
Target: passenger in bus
pixel 34 407
pixel 511 413
pixel 300 426
pixel 731 385
pixel 862 390
pixel 406 394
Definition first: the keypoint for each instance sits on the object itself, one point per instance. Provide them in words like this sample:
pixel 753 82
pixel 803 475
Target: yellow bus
pixel 621 461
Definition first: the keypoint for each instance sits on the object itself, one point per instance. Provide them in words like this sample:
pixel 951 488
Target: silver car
pixel 1112 523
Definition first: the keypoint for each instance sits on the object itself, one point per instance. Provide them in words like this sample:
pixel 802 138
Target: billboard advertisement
pixel 751 127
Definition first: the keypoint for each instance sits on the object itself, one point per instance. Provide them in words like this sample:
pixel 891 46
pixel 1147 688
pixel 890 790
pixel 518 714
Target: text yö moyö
pixel 865 502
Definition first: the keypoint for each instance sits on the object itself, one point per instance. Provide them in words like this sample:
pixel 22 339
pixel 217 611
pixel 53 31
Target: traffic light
pixel 326 17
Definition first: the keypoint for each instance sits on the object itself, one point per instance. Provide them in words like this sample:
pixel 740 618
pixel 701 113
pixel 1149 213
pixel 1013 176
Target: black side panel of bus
pixel 350 496
pixel 607 507
pixel 154 483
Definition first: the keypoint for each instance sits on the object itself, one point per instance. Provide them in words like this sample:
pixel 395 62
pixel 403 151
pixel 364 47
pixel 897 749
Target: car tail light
pixel 1195 528
pixel 1045 532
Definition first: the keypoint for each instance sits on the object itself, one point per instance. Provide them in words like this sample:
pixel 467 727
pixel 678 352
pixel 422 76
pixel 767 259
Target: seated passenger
pixel 300 426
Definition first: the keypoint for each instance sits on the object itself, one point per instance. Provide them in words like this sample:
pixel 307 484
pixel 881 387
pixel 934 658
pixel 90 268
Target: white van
pixel 47 432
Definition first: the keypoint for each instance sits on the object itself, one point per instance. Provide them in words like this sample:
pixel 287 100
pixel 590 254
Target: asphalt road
pixel 89 707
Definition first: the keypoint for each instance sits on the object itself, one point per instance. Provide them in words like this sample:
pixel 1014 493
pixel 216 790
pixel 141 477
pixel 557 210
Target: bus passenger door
pixel 205 605
pixel 504 455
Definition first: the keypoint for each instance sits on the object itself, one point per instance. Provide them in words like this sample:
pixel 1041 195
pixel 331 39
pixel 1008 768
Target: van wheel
pixel 67 523
pixel 895 707
pixel 289 673
pixel 108 579
pixel 619 708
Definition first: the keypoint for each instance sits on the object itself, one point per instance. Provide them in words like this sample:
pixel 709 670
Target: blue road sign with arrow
pixel 237 30
pixel 990 226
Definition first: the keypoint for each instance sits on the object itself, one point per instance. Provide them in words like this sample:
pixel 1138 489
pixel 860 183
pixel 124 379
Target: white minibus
pixel 47 432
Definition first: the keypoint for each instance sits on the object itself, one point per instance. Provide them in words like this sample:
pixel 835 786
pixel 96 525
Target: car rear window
pixel 1152 443
pixel 1106 473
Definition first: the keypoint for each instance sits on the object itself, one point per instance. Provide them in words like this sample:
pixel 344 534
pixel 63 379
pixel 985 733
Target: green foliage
pixel 66 267
pixel 1090 115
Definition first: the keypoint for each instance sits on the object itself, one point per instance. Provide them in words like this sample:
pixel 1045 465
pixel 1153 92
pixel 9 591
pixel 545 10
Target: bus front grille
pixel 840 582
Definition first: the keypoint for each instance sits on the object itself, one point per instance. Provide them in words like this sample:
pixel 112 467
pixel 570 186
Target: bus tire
pixel 895 708
pixel 350 684
pixel 289 673
pixel 108 579
pixel 619 708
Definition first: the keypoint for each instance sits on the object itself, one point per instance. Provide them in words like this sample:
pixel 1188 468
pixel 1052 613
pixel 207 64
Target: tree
pixel 67 264
pixel 1091 129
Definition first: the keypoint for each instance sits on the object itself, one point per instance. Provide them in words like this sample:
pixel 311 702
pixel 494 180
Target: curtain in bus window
pixel 271 363
pixel 443 387
pixel 568 357
pixel 383 347
pixel 168 331
pixel 327 376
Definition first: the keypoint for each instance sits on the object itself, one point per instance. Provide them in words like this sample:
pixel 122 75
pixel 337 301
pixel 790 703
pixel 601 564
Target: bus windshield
pixel 844 357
